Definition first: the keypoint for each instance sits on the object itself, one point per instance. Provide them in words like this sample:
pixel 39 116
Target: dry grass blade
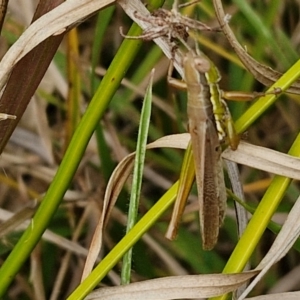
pixel 262 73
pixel 241 212
pixel 177 287
pixel 265 159
pixel 186 179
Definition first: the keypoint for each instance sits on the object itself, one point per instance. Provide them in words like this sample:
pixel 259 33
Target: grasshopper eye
pixel 202 64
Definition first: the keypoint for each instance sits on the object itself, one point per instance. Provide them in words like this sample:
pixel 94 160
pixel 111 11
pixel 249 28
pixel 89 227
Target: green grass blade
pixel 137 176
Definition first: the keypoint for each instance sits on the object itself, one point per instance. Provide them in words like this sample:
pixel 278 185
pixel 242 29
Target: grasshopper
pixel 210 125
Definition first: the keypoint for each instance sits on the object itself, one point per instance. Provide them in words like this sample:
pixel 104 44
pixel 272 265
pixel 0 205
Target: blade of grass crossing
pixel 137 176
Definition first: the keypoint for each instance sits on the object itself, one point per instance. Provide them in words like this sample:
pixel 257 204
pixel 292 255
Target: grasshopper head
pixel 202 64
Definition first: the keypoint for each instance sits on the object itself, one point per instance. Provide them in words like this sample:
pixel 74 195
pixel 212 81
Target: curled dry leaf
pixel 175 287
